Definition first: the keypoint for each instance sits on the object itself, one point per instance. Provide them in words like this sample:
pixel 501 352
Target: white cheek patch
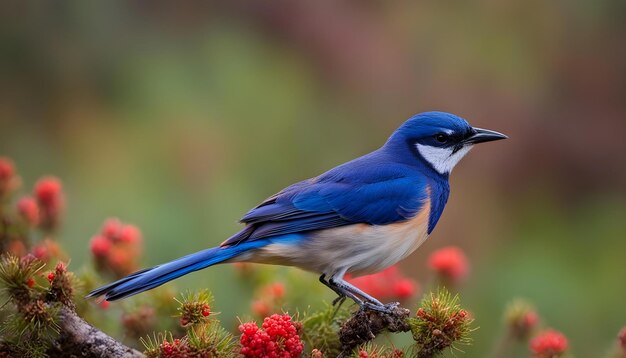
pixel 442 159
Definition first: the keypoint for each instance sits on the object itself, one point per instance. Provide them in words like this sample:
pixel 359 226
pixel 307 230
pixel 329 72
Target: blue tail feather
pixel 156 276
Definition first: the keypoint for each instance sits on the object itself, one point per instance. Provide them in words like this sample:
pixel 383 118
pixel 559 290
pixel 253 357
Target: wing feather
pixel 375 195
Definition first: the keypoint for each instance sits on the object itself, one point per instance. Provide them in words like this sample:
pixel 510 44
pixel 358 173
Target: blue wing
pixel 366 190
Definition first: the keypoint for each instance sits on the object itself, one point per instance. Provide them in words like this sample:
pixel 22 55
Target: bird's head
pixel 439 139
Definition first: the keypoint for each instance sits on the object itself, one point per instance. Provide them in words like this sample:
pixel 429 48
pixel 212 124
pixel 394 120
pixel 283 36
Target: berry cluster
pixel 116 248
pixel 549 344
pixel 50 200
pixel 61 289
pixel 41 210
pixel 439 323
pixel 389 284
pixel 194 312
pixel 277 338
pixel 9 181
pixel 175 349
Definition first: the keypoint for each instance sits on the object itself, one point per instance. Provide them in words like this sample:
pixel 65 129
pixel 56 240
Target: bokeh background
pixel 181 116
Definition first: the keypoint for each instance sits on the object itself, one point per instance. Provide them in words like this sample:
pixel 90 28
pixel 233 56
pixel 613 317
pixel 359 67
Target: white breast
pixel 359 249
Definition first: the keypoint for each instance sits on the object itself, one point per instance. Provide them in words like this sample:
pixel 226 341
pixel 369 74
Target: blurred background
pixel 181 116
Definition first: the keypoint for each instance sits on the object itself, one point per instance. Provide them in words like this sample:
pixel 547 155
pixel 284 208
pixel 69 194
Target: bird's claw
pixel 386 308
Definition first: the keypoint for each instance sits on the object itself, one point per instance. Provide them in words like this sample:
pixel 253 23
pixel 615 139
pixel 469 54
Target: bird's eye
pixel 441 137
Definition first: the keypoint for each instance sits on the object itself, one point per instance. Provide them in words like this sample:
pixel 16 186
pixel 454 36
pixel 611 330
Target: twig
pixel 80 339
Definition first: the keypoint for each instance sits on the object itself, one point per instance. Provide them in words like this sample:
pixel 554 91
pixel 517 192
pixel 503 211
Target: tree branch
pixel 80 339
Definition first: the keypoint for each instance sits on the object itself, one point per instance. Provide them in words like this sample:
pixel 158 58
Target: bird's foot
pixel 386 308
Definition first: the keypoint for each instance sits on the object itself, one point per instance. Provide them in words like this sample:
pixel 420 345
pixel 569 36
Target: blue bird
pixel 359 218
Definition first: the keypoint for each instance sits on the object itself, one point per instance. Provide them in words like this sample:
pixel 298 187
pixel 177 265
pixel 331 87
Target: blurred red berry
pixel 277 338
pixel 277 290
pixel 30 282
pixel 530 319
pixel 50 199
pixel 363 354
pixel 100 246
pixel 50 277
pixel 8 180
pixel 549 344
pixel 121 261
pixel 130 234
pixel 104 304
pixel 387 284
pixel 29 211
pixel 6 169
pixel 40 251
pixel 46 249
pixel 316 353
pixel 17 248
pixel 404 288
pixel 48 191
pixel 260 308
pixel 622 338
pixel 449 262
pixel 112 228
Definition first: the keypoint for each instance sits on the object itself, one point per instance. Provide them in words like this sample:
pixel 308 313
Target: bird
pixel 358 218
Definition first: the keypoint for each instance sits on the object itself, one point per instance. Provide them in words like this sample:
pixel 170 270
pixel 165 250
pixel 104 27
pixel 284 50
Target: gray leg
pixel 344 288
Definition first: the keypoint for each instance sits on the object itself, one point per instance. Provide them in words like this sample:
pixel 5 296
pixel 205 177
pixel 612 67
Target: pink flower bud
pixel 6 169
pixel 449 262
pixel 549 344
pixel 29 211
pixel 50 199
pixel 112 228
pixel 130 234
pixel 100 246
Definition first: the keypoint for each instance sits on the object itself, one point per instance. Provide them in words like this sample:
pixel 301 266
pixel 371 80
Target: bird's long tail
pixel 156 276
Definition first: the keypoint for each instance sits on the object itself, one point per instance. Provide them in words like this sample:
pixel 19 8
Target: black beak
pixel 484 135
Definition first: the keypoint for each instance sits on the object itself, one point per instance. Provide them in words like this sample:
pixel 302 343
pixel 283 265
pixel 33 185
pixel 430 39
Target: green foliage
pixel 440 323
pixel 30 317
pixel 17 276
pixel 204 336
pixel 320 328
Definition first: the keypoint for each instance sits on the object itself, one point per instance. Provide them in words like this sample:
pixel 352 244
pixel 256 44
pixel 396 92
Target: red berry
pixel 130 234
pixel 622 338
pixel 206 310
pixel 41 252
pixel 404 288
pixel 449 262
pixel 48 192
pixel 104 304
pixel 549 343
pixel 51 277
pixel 112 228
pixel 30 282
pixel 28 209
pixel 6 169
pixel 100 246
pixel 420 312
pixel 530 319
